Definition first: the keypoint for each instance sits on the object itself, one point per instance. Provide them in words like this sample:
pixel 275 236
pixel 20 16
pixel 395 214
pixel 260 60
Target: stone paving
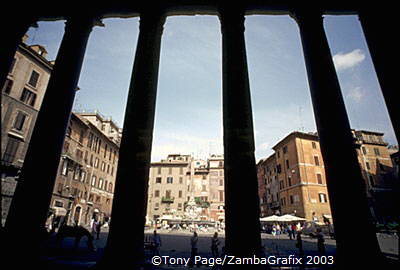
pixel 177 244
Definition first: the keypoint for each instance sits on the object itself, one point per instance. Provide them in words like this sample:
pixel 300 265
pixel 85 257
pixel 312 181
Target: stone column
pixel 242 209
pixel 32 196
pixel 380 38
pixel 15 30
pixel 346 187
pixel 131 184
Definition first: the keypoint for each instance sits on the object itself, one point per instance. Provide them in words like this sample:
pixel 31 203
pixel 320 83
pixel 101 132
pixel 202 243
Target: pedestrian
pixel 193 242
pixel 214 245
pixel 320 242
pixel 93 225
pixel 278 229
pixel 274 230
pixel 299 244
pixel 156 243
pixel 290 232
pixel 98 229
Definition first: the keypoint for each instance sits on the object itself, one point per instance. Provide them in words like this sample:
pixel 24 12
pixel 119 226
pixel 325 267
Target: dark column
pixel 378 31
pixel 346 187
pixel 242 209
pixel 32 197
pixel 15 30
pixel 126 235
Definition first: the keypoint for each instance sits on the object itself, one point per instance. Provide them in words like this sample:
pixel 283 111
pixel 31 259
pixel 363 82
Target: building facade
pixel 378 173
pixel 21 98
pixel 181 179
pixel 292 180
pixel 86 177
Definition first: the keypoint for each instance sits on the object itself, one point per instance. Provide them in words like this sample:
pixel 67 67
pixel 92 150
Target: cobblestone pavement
pixel 176 244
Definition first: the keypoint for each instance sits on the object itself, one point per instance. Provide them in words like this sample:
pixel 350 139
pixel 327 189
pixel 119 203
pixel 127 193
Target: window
pixel 64 170
pixel 319 178
pixel 314 145
pixel 287 164
pixel 28 97
pixel 179 206
pixel 376 151
pixel 156 206
pixel 285 149
pixel 204 177
pixel 220 164
pixel 110 187
pixel 34 78
pixel 169 170
pixel 316 160
pixel 100 183
pixel 93 180
pixel 159 170
pixel 289 181
pixel 279 168
pixel 58 204
pixel 281 185
pixel 221 195
pixel 367 165
pixel 170 180
pixel 81 136
pixel 181 170
pixel 7 86
pixel 204 188
pixel 168 194
pixel 221 182
pixel 19 121
pixel 364 150
pixel 180 180
pixel 158 180
pixel 322 198
pixel 291 199
pixel 83 176
pixel 180 194
pixel 11 150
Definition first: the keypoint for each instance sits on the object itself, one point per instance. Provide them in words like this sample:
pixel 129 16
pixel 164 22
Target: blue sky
pixel 189 107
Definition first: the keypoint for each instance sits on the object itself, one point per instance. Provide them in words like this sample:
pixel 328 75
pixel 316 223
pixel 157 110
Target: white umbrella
pixel 270 218
pixel 288 218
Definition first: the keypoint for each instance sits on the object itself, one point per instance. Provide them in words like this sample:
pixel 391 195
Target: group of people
pixel 290 229
pixel 156 244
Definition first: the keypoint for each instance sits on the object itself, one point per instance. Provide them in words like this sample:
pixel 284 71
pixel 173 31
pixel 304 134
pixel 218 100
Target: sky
pixel 189 99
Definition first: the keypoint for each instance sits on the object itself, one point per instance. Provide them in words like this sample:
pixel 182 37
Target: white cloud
pixel 344 61
pixel 356 94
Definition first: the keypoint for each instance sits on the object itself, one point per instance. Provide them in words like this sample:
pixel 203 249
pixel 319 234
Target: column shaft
pixel 343 172
pixel 130 197
pixel 242 211
pixel 32 196
pixel 379 36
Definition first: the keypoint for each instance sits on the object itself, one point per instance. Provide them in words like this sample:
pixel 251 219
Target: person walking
pixel 320 242
pixel 290 232
pixel 193 243
pixel 299 244
pixel 98 229
pixel 214 245
pixel 156 243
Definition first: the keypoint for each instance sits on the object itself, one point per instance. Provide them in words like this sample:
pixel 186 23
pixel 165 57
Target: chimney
pixel 39 49
pixel 25 38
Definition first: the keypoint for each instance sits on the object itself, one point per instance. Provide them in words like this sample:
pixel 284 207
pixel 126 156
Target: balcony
pixel 167 199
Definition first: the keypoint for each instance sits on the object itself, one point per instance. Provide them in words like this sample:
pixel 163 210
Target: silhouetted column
pixel 346 187
pixel 378 32
pixel 29 208
pixel 12 36
pixel 242 209
pixel 126 235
